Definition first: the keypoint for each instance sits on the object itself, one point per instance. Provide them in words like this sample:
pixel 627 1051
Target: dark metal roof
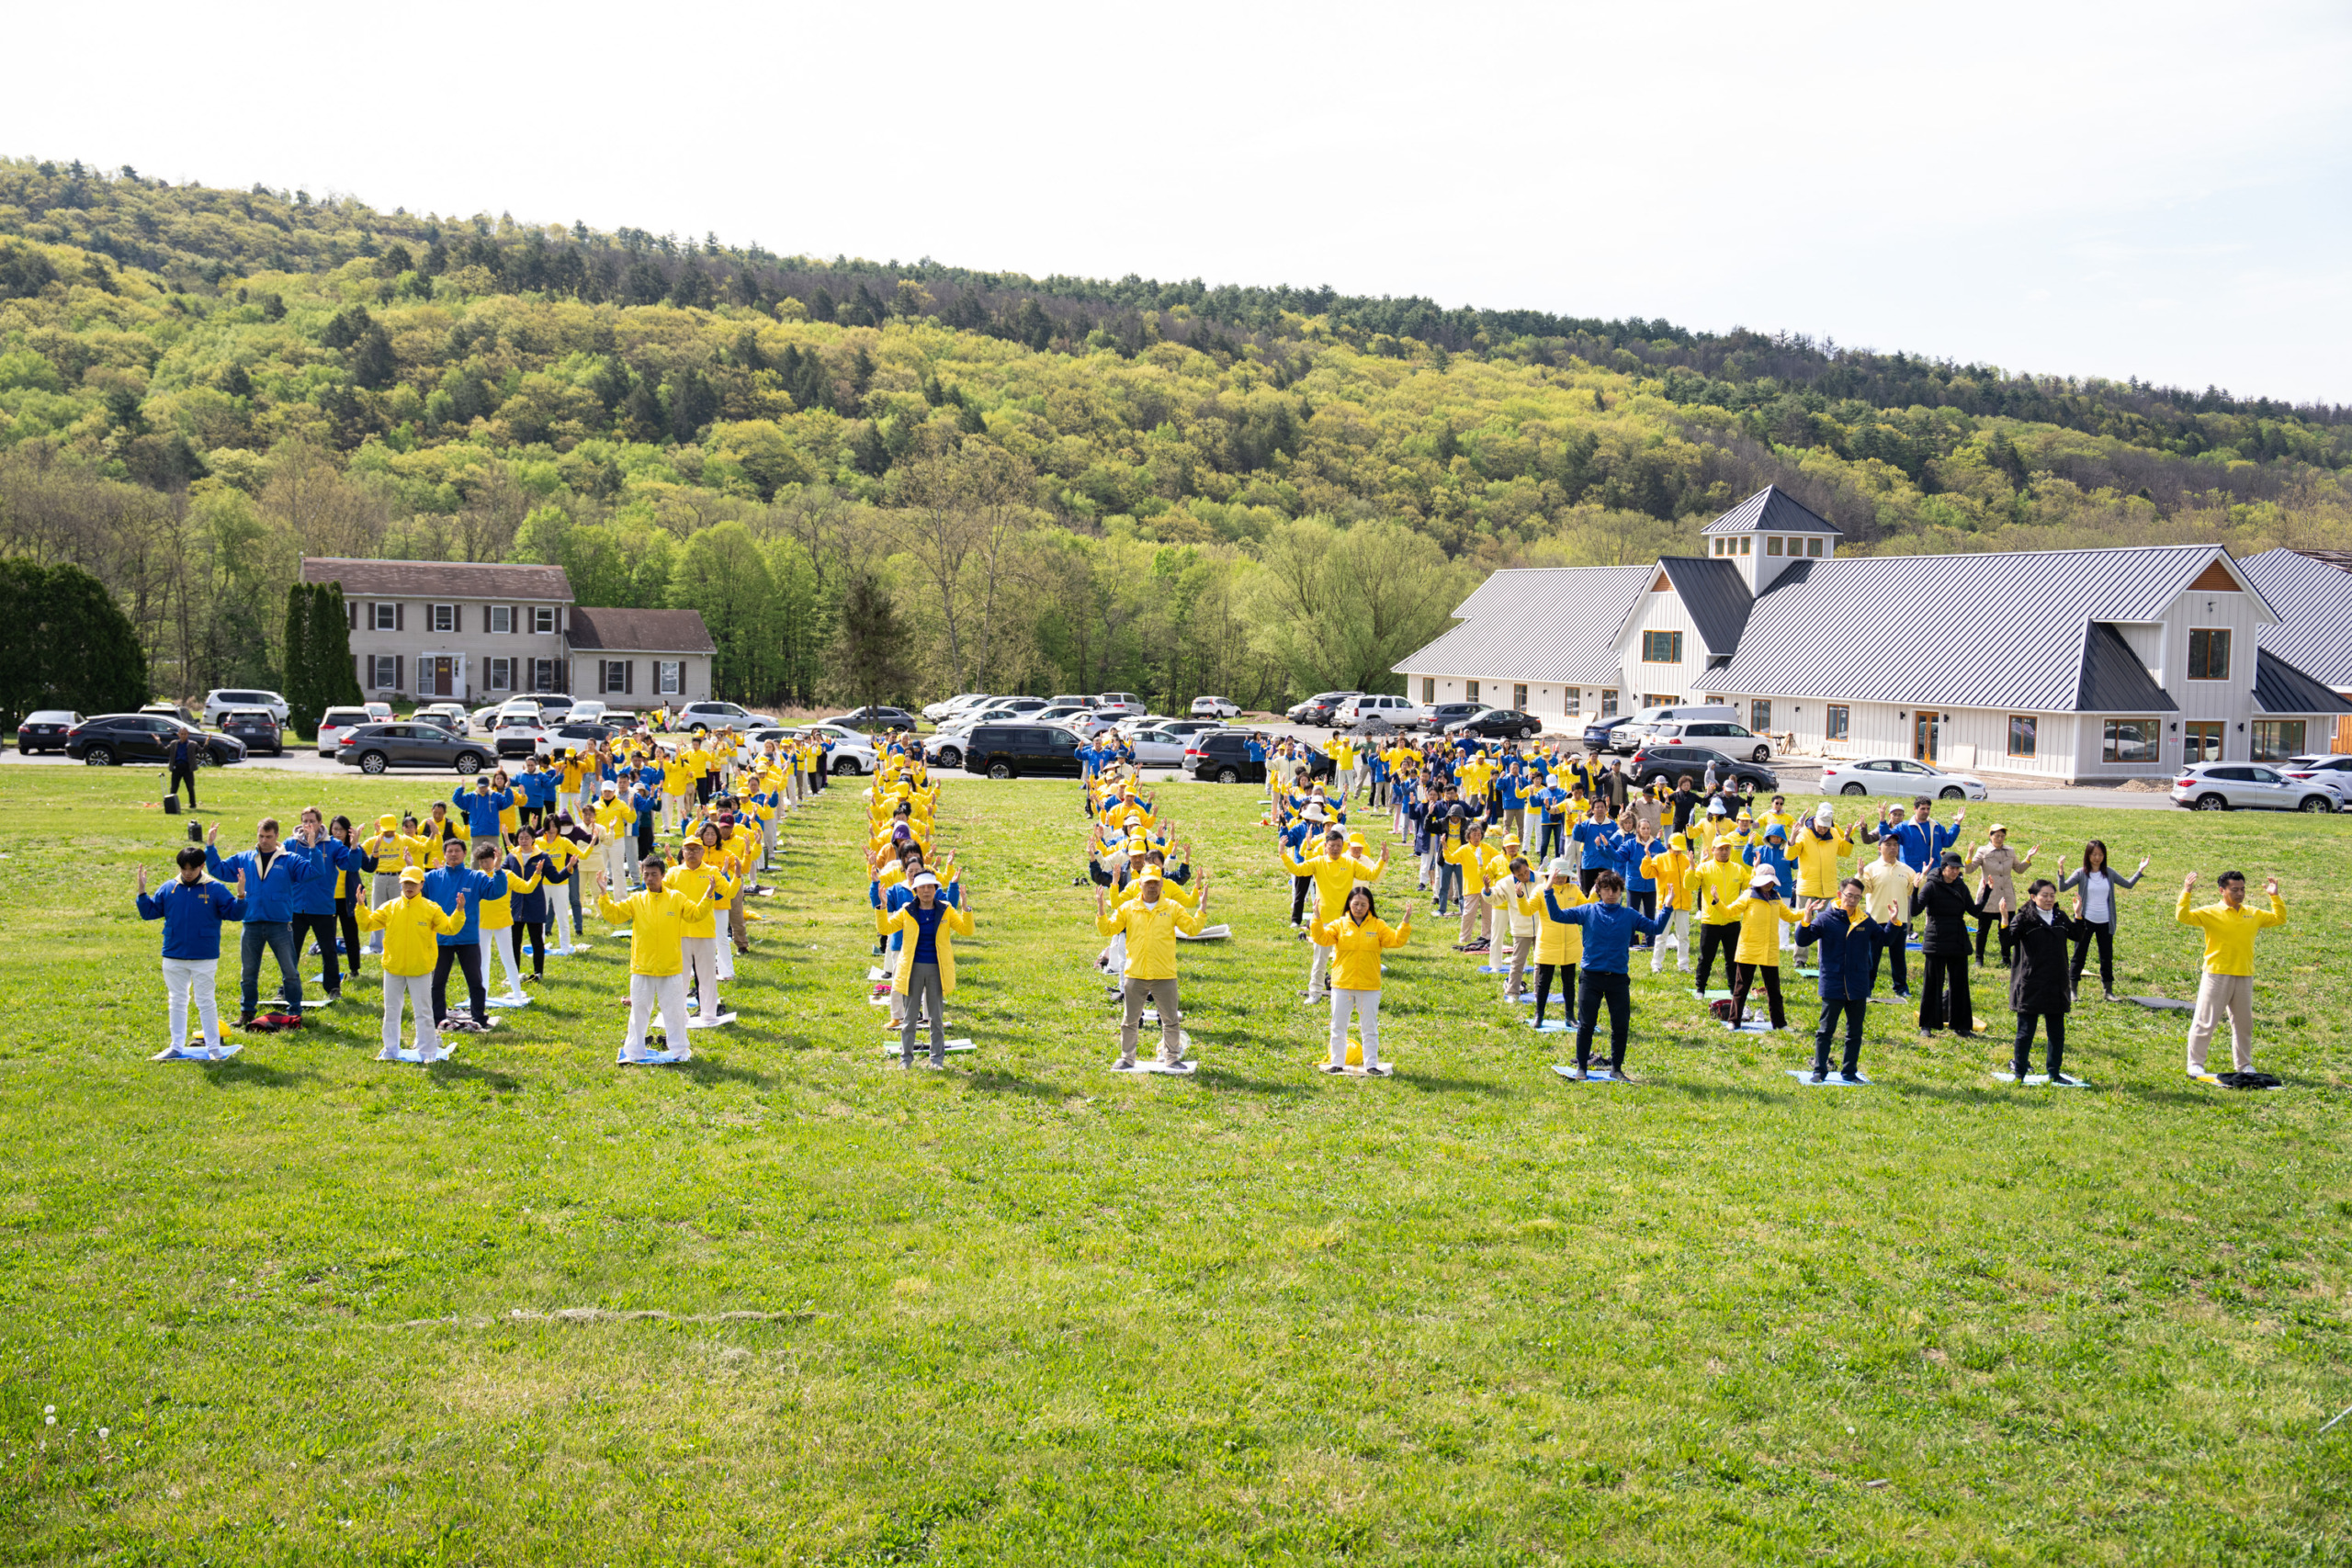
pixel 640 631
pixel 1716 594
pixel 1771 511
pixel 2114 680
pixel 2313 598
pixel 2280 687
pixel 1552 626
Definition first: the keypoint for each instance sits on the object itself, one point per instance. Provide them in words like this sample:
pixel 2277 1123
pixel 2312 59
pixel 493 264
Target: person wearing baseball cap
pixel 1148 920
pixel 1761 911
pixel 413 926
pixel 612 821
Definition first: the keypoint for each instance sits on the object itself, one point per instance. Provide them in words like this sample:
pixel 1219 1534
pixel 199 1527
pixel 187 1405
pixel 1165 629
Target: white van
pixel 1628 737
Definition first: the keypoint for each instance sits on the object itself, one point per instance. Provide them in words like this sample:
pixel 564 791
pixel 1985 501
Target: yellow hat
pixel 1355 840
pixel 412 873
pixel 388 821
pixel 1137 846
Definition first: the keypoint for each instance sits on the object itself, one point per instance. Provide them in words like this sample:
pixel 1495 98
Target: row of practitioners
pixel 920 904
pixel 1141 904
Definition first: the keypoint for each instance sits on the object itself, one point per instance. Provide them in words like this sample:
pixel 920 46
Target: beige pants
pixel 1163 996
pixel 2216 995
pixel 1474 916
pixel 1520 948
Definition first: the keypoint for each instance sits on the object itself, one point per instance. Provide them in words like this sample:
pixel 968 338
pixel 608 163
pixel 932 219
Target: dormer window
pixel 1813 548
pixel 1772 546
pixel 1747 544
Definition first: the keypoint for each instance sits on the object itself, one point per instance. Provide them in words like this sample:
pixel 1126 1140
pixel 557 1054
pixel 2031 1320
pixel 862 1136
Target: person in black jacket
pixel 1944 898
pixel 2037 940
pixel 183 761
pixel 1850 941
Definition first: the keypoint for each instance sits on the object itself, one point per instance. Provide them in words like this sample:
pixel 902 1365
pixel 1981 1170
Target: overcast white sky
pixel 2159 190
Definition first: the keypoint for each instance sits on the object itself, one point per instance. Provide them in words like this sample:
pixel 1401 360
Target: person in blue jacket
pixel 314 896
pixel 192 907
pixel 1919 842
pixel 1610 928
pixel 483 805
pixel 270 873
pixel 645 799
pixel 1850 941
pixel 1641 888
pixel 1550 803
pixel 460 889
pixel 1595 838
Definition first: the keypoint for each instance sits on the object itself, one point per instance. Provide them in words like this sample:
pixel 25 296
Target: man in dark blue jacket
pixel 191 909
pixel 1610 928
pixel 1850 941
pixel 460 891
pixel 315 898
pixel 272 874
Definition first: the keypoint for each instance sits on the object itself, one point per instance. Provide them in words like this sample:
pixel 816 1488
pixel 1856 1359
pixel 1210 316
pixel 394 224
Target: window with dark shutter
pixel 457 617
pixel 398 675
pixel 400 617
pixel 629 677
pixel 351 613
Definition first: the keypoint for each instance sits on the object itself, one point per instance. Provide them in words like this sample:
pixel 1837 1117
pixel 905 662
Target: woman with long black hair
pixel 2095 886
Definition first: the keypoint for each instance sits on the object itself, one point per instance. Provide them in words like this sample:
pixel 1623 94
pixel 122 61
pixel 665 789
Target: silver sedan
pixel 1899 775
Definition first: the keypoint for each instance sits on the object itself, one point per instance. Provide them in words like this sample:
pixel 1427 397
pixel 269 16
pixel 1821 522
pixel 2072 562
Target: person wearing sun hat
pixel 1999 863
pixel 413 926
pixel 614 822
pixel 1771 848
pixel 1559 941
pixel 1816 845
pixel 1761 912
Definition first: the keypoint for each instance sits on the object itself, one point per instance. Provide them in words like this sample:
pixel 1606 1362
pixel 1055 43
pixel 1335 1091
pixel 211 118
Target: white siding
pixel 1662 613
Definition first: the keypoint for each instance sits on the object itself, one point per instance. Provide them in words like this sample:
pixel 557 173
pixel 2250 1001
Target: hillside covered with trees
pixel 1059 483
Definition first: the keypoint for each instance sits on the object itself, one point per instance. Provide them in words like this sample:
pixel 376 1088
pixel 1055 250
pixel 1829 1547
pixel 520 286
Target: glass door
pixel 1926 737
pixel 2200 744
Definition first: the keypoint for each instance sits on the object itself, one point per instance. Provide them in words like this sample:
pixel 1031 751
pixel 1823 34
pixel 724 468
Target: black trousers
pixel 538 933
pixel 1853 1012
pixel 1989 921
pixel 467 956
pixel 1586 877
pixel 1545 975
pixel 2055 1023
pixel 347 916
pixel 531 816
pixel 320 929
pixel 1298 886
pixel 1742 979
pixel 1944 1001
pixel 1897 961
pixel 187 776
pixel 702 789
pixel 1595 986
pixel 2105 933
pixel 1710 937
pixel 1644 901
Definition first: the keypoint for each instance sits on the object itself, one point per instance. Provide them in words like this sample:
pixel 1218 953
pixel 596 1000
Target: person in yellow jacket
pixel 677 786
pixel 411 926
pixel 1342 752
pixel 926 973
pixel 1334 873
pixel 1675 873
pixel 1760 912
pixel 614 823
pixel 1149 923
pixel 705 881
pixel 1817 845
pixel 1559 944
pixel 1483 868
pixel 2227 984
pixel 390 848
pixel 657 918
pixel 1359 936
pixel 1719 879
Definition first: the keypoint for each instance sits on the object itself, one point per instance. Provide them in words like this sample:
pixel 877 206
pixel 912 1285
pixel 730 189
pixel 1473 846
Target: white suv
pixel 336 723
pixel 1116 706
pixel 2235 786
pixel 701 718
pixel 1402 712
pixel 1215 707
pixel 221 700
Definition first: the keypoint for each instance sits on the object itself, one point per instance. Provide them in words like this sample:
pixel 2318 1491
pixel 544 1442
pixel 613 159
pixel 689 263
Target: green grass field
pixel 1031 1310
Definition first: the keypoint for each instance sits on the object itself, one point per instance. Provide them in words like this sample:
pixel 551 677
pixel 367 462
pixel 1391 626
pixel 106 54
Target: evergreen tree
pixel 871 658
pixel 333 678
pixel 302 698
pixel 92 660
pixel 372 365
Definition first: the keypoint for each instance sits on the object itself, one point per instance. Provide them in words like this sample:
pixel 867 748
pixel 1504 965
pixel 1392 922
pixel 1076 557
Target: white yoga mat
pixel 187 1053
pixel 696 1020
pixel 1207 933
pixel 1183 1070
pixel 1805 1076
pixel 2037 1080
pixel 651 1058
pixel 408 1053
pixel 922 1044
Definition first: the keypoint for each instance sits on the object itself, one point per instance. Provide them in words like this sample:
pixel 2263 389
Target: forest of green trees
pixel 1060 484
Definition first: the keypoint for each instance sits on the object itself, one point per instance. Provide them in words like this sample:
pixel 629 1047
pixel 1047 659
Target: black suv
pixel 1222 756
pixel 1670 763
pixel 111 740
pixel 1436 718
pixel 1022 750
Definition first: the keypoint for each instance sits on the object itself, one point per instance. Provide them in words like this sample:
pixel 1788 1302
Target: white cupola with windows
pixel 1768 534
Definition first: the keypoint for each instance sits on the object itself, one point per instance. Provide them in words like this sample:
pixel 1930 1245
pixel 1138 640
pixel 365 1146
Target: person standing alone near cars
pixel 183 761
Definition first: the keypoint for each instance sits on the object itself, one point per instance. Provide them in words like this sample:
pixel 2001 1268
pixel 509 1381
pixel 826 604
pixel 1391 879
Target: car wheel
pixel 2316 803
pixel 277 751
pixel 1951 792
pixel 1762 755
pixel 846 765
pixel 1855 789
pixel 1530 731
pixel 372 763
pixel 949 756
pixel 1229 775
pixel 469 763
pixel 2212 803
pixel 1000 769
pixel 98 757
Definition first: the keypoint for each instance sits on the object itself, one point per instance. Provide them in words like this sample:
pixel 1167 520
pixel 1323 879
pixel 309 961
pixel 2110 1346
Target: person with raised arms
pixel 192 907
pixel 1886 893
pixel 657 918
pixel 1761 912
pixel 413 927
pixel 1332 873
pixel 1944 997
pixel 1609 928
pixel 704 881
pixel 1359 936
pixel 1676 875
pixel 926 973
pixel 2035 942
pixel 1559 941
pixel 2227 984
pixel 460 891
pixel 1718 881
pixel 1850 940
pixel 2095 886
pixel 270 877
pixel 1148 921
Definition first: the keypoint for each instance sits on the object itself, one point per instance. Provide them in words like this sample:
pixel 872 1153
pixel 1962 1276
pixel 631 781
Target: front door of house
pixel 2200 744
pixel 1926 737
pixel 440 676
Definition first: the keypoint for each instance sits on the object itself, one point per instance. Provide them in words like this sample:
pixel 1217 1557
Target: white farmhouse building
pixel 2066 664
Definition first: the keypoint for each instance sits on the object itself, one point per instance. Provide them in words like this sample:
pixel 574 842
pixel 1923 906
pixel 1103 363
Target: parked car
pixel 1670 763
pixel 257 728
pixel 1687 713
pixel 1115 706
pixel 1601 735
pixel 219 700
pixel 452 714
pixel 1215 707
pixel 172 711
pixel 378 747
pixel 518 735
pixel 533 705
pixel 1084 721
pixel 853 751
pixel 1499 724
pixel 1023 750
pixel 111 740
pixel 572 735
pixel 1436 718
pixel 1188 726
pixel 380 712
pixel 45 730
pixel 482 717
pixel 1158 749
pixel 1317 709
pixel 2247 786
pixel 1222 756
pixel 583 710
pixel 2333 769
pixel 1401 712
pixel 877 719
pixel 701 718
pixel 1899 775
pixel 335 721
pixel 940 710
pixel 1719 733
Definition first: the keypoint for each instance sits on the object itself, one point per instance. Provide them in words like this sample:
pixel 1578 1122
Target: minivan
pixel 1022 750
pixel 1630 732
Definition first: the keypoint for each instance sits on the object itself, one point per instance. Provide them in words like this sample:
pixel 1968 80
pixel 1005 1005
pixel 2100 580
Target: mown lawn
pixel 1035 1312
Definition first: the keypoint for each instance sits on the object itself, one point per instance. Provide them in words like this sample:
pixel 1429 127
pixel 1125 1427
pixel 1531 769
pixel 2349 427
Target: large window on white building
pixel 2131 742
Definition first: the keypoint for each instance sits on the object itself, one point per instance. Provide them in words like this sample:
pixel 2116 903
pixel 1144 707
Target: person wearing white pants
pixel 1357 938
pixel 701 966
pixel 413 926
pixel 1672 868
pixel 700 955
pixel 191 907
pixel 184 978
pixel 416 990
pixel 658 917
